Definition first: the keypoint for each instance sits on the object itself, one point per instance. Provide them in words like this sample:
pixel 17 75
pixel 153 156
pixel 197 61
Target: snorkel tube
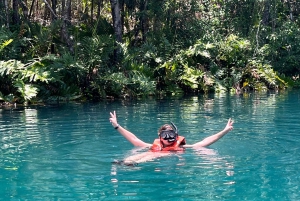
pixel 174 128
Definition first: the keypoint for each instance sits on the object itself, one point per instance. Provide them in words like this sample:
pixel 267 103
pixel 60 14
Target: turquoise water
pixel 66 152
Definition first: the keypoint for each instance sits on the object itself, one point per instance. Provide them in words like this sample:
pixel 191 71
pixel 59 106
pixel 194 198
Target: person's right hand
pixel 113 119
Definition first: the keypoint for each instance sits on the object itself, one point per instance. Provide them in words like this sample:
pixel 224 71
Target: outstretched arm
pixel 127 134
pixel 213 138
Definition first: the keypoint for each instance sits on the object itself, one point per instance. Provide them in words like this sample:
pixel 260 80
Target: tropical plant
pixel 132 85
pixel 63 50
pixel 14 72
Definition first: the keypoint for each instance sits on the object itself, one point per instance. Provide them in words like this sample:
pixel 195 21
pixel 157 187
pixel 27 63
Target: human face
pixel 166 142
pixel 168 134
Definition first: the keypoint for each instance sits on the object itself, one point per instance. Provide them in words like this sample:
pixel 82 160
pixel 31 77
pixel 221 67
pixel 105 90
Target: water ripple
pixel 66 152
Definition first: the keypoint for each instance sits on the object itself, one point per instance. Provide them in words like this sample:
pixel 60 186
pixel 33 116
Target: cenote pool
pixel 65 152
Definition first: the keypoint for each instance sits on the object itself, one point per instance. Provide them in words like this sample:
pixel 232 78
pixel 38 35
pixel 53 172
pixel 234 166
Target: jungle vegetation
pixel 60 50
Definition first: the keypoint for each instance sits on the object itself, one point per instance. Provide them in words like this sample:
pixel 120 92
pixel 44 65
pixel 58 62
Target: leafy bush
pixel 134 84
pixel 284 50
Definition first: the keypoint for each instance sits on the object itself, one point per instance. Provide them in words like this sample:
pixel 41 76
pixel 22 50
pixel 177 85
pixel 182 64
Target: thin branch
pixel 31 8
pixel 53 13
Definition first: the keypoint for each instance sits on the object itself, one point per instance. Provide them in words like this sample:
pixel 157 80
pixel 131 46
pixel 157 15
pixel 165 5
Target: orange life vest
pixel 158 146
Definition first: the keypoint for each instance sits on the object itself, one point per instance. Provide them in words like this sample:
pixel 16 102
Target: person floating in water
pixel 168 141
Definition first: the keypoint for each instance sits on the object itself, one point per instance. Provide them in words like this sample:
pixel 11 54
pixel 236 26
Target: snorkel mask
pixel 169 135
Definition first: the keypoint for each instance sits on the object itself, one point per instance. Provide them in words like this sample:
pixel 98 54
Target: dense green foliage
pixel 166 47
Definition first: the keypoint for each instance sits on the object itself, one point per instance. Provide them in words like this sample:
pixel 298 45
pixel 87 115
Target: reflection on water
pixel 66 152
pixel 191 174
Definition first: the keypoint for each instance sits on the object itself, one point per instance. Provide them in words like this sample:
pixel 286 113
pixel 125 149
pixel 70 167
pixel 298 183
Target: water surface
pixel 65 152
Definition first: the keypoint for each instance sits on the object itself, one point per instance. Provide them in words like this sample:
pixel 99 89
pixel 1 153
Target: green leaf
pixel 5 43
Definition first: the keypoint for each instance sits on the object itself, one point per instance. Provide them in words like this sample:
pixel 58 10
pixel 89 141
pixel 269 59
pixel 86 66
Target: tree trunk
pixel 24 7
pixel 2 10
pixel 64 29
pixel 54 3
pixel 63 5
pixel 15 17
pixel 115 7
pixel 100 5
pixel 69 11
pixel 266 13
pixel 46 11
pixel 291 5
pixel 5 9
pixel 31 8
pixel 79 8
pixel 116 15
pixel 92 11
pixel 144 20
pixel 53 18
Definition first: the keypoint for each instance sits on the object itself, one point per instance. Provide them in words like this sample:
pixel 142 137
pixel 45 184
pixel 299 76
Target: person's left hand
pixel 229 125
pixel 113 119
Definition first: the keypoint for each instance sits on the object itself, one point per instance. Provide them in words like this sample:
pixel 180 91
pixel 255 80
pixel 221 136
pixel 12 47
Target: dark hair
pixel 165 127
